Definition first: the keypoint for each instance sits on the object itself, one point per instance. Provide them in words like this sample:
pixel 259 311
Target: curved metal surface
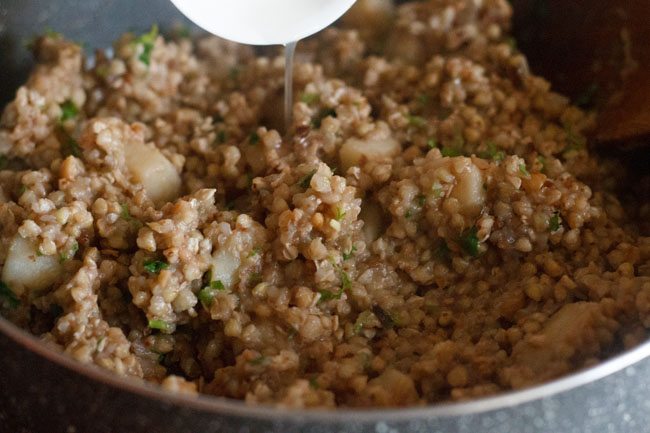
pixel 42 390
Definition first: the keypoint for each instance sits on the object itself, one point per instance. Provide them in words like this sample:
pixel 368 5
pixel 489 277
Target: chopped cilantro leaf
pixel 221 136
pixel 493 153
pixel 207 294
pixel 306 180
pixel 542 161
pixel 450 151
pixel 346 284
pixel 554 222
pixel 523 170
pixel 310 98
pixel 349 254
pixel 4 162
pixel 147 41
pixel 340 213
pixel 161 325
pixel 8 296
pixel 258 361
pixel 416 121
pixel 124 213
pixel 70 147
pixel 68 110
pixel 469 241
pixel 255 251
pixel 422 98
pixel 155 266
pixel 70 254
pixel 313 383
pixel 362 320
pixel 432 143
pixel 326 295
pixel 421 200
pixel 254 138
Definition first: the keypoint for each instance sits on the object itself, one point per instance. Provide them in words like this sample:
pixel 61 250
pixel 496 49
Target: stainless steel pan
pixel 44 391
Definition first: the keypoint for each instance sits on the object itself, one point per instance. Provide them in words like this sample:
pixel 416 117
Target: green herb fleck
pixel 161 325
pixel 362 320
pixel 124 213
pixel 255 251
pixel 254 138
pixel 416 121
pixel 70 147
pixel 68 110
pixel 207 294
pixel 450 151
pixel 322 114
pixel 523 170
pixel 542 162
pixel 8 296
pixel 408 214
pixel 512 42
pixel 258 361
pixel 340 213
pixel 346 284
pixel 554 223
pixel 313 383
pixel 221 137
pixel 469 241
pixel 493 153
pixel 147 41
pixel 22 190
pixel 306 180
pixel 326 295
pixel 384 317
pixel 437 190
pixel 4 162
pixel 421 200
pixel 349 254
pixel 70 254
pixel 432 143
pixel 155 266
pixel 422 98
pixel 310 98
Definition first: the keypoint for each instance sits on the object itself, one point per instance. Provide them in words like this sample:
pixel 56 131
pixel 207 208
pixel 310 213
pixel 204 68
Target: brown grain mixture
pixel 433 226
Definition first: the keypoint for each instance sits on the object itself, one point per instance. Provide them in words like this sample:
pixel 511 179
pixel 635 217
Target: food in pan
pixel 432 227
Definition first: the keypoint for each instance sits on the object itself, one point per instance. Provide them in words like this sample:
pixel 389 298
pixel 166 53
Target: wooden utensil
pixel 598 52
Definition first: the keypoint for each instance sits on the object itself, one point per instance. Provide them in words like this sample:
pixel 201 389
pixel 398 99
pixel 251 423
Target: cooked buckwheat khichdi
pixel 431 227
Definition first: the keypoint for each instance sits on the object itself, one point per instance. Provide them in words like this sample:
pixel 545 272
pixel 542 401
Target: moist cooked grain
pixel 432 226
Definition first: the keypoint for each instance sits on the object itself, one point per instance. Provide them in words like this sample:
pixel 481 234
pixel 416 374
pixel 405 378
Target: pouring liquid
pixel 289 51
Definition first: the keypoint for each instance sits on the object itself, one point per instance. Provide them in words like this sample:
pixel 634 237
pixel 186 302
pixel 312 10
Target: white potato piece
pixel 225 265
pixel 372 216
pixel 469 189
pixel 577 329
pixel 25 270
pixel 153 171
pixel 355 150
